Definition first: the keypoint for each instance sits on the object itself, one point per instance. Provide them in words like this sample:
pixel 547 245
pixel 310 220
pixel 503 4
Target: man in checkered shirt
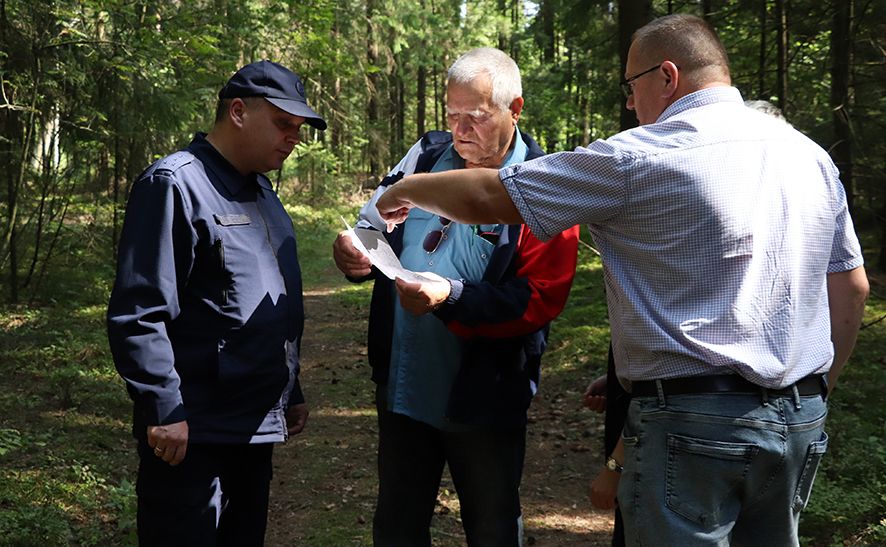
pixel 735 285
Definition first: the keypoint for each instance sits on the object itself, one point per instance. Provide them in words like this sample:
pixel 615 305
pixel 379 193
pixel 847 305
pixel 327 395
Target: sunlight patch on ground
pixel 351 288
pixel 17 319
pixel 344 412
pixel 560 521
pixel 323 291
pixel 73 418
pixel 91 312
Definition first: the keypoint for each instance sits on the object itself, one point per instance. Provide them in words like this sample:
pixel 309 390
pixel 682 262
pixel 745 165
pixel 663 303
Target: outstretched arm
pixel 467 196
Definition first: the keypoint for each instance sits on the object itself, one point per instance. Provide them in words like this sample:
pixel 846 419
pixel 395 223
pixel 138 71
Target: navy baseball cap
pixel 277 84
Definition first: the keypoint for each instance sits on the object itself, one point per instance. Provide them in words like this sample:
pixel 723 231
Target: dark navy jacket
pixel 206 316
pixel 502 321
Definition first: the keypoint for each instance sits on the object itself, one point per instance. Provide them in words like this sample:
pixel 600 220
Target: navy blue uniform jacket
pixel 206 316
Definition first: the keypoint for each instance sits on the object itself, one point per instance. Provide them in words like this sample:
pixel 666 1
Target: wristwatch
pixel 613 465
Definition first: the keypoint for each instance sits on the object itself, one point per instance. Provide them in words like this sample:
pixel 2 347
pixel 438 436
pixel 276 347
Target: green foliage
pixel 318 172
pixel 316 229
pixel 99 88
pixel 10 439
pixel 849 497
pixel 34 526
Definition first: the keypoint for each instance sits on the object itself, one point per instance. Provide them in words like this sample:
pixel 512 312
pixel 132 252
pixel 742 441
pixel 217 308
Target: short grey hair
pixel 688 41
pixel 498 65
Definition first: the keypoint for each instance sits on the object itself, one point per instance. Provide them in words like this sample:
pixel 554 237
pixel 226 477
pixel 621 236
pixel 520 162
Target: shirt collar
pixel 518 152
pixel 212 159
pixel 702 97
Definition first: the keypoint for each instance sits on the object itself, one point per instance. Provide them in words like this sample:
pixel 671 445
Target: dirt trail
pixel 324 484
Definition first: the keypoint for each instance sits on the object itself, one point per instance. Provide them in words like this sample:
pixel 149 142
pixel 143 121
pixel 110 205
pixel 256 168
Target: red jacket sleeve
pixel 545 271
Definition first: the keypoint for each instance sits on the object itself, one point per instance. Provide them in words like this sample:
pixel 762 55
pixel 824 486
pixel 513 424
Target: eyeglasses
pixel 627 86
pixel 435 237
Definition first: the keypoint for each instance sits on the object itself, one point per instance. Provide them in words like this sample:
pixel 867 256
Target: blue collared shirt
pixel 718 226
pixel 425 355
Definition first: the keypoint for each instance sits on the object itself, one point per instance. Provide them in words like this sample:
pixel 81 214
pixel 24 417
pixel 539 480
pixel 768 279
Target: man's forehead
pixel 466 101
pixel 478 111
pixel 633 56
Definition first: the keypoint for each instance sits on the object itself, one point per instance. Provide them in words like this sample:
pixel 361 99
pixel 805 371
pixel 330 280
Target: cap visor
pixel 298 108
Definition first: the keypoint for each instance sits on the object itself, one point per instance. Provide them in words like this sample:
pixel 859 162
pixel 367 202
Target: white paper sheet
pixel 373 244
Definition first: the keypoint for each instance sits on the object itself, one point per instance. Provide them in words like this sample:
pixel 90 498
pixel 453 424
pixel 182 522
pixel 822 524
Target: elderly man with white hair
pixel 457 360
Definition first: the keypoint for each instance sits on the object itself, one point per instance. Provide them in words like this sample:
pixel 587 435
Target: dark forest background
pixel 94 90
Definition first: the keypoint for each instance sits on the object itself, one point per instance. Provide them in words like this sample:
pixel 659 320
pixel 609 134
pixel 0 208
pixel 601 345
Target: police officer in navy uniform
pixel 205 318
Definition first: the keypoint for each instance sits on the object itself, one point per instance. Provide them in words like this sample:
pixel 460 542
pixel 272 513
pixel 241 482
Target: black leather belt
pixel 726 383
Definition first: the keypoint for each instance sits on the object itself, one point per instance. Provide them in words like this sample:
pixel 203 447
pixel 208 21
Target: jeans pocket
pixel 813 458
pixel 702 475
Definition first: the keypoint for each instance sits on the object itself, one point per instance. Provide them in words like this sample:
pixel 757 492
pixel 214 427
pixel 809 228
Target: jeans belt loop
pixel 796 391
pixel 662 403
pixel 764 393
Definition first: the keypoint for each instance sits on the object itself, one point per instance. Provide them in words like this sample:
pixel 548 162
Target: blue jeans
pixel 486 467
pixel 719 469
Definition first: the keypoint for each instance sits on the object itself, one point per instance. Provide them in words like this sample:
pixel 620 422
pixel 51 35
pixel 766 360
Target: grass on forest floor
pixel 67 463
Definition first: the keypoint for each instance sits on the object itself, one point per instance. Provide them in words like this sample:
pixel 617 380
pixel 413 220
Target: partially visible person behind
pixel 735 285
pixel 605 394
pixel 766 108
pixel 205 318
pixel 457 360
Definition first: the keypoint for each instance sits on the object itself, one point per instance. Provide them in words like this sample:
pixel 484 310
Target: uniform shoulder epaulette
pixel 175 161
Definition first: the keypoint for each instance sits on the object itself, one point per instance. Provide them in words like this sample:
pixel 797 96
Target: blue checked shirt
pixel 717 225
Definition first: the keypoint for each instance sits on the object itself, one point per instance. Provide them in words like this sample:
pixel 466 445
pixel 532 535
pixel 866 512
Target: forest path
pixel 324 484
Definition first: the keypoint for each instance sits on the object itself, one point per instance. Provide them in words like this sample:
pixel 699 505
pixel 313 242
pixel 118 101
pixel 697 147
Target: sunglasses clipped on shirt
pixel 435 237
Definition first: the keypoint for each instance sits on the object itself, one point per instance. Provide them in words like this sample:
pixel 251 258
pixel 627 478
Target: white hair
pixel 501 69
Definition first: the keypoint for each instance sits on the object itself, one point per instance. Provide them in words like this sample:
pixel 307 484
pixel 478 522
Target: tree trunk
pixel 401 115
pixel 15 183
pixel 503 38
pixel 47 175
pixel 632 14
pixel 516 6
pixel 781 17
pixel 444 67
pixel 372 105
pixel 421 92
pixel 761 68
pixel 841 57
pixel 336 127
pixel 547 40
pixel 706 10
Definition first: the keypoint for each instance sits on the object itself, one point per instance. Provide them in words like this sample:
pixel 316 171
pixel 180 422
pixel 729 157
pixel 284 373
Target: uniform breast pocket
pixel 239 247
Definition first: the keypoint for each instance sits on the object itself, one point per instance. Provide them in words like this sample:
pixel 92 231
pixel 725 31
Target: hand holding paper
pixel 373 246
pixel 350 260
pixel 422 297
